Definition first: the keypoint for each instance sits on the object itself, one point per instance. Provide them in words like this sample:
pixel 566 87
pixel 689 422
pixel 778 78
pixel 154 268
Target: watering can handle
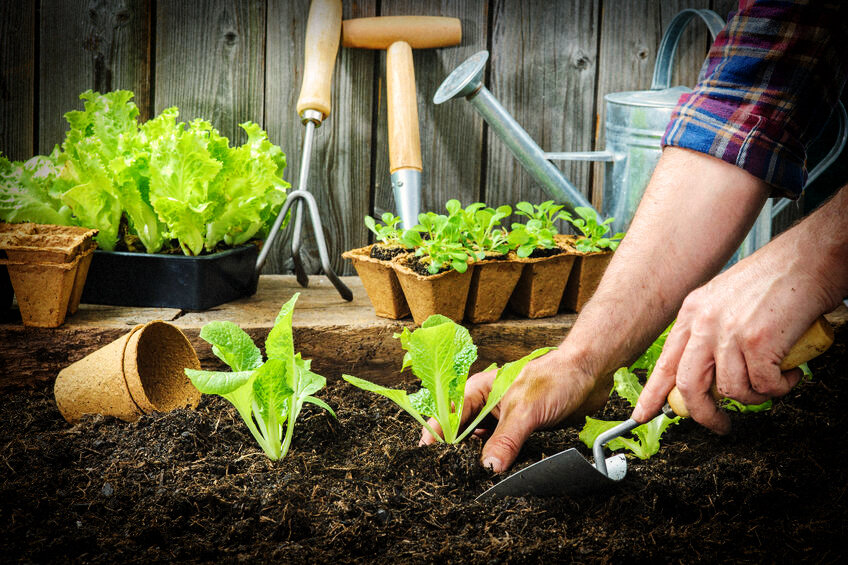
pixel 671 37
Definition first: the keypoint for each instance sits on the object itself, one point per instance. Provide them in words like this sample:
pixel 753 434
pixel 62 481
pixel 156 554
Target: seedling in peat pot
pixel 594 233
pixel 268 396
pixel 539 231
pixel 440 247
pixel 481 228
pixel 387 233
pixel 440 354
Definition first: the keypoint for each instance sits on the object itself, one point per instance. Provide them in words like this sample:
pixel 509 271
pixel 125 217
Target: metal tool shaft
pixel 311 120
pixel 601 440
pixel 526 150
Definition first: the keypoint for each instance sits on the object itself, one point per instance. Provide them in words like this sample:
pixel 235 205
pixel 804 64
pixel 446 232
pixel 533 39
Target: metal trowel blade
pixel 566 473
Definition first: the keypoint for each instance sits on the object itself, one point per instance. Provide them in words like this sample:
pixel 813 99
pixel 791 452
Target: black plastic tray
pixel 171 281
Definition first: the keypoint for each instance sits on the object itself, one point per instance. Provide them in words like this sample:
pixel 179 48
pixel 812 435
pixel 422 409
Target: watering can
pixel 635 124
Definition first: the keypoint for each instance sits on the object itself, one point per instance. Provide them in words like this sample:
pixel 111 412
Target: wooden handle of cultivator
pixel 810 345
pixel 420 32
pixel 323 29
pixel 404 138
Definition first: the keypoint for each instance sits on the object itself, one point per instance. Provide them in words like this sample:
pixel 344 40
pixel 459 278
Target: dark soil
pixel 386 253
pixel 191 485
pixel 542 252
pixel 420 266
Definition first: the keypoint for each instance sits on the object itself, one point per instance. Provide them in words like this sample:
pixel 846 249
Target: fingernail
pixel 493 464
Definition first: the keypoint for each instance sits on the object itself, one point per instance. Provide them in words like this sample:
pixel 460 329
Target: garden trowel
pixel 569 473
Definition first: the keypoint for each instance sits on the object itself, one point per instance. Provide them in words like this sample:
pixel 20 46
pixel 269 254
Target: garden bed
pixel 193 486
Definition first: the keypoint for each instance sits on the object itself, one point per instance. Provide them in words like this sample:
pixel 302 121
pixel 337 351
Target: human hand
pixel 735 331
pixel 548 391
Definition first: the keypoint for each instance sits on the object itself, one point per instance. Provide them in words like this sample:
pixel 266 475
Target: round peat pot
pixel 141 372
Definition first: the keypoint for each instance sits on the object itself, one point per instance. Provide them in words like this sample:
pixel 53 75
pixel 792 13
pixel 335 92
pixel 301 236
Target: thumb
pixel 501 450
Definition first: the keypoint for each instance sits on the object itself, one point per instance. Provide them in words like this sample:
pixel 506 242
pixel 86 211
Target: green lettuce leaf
pixel 232 345
pixel 27 191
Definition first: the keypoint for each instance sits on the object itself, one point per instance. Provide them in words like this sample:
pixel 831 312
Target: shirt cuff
pixel 732 132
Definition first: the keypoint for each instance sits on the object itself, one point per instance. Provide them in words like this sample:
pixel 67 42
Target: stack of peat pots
pixel 538 286
pixel 46 267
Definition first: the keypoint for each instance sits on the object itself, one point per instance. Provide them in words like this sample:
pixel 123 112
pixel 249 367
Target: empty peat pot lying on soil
pixel 141 372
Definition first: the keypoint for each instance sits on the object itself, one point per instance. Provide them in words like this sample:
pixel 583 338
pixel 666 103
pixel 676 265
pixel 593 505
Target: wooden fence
pixel 235 60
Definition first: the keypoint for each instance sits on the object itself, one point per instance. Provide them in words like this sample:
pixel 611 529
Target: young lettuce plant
pixel 594 233
pixel 388 232
pixel 440 354
pixel 268 396
pixel 481 228
pixel 646 440
pixel 441 244
pixel 540 229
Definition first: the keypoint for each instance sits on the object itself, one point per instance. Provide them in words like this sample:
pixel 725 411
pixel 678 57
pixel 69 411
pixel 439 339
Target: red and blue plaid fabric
pixel 768 86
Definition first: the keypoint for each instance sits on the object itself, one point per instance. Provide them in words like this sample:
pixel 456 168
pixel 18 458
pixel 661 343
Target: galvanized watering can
pixel 635 123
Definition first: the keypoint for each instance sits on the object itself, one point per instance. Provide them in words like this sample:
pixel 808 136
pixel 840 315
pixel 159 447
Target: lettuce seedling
pixel 480 227
pixel 627 385
pixel 437 239
pixel 440 354
pixel 387 233
pixel 268 396
pixel 594 233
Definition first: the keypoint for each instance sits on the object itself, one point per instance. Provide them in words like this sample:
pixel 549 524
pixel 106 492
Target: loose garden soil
pixel 192 485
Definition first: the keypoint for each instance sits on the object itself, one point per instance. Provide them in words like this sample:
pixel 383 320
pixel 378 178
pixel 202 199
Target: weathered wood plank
pixel 340 337
pixel 631 31
pixel 210 60
pixel 543 70
pixel 90 44
pixel 340 169
pixel 17 79
pixel 452 133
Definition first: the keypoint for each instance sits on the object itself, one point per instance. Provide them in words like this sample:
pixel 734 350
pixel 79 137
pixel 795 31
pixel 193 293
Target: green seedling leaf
pixel 399 397
pixel 232 345
pixel 268 396
pixel 440 354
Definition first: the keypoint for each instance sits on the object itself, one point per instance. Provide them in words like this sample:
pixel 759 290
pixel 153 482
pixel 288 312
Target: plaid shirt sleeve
pixel 769 84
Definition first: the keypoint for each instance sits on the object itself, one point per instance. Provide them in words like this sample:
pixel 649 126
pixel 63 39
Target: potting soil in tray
pixel 193 486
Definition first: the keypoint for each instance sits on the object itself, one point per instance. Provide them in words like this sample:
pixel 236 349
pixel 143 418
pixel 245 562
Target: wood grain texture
pixel 340 337
pixel 631 31
pixel 90 44
pixel 17 79
pixel 543 69
pixel 340 169
pixel 210 61
pixel 451 133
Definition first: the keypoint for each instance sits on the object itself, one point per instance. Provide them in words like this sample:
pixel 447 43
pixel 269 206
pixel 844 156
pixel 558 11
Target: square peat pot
pixel 6 293
pixel 171 281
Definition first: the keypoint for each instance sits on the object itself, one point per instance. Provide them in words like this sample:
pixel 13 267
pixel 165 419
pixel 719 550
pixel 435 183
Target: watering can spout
pixel 467 81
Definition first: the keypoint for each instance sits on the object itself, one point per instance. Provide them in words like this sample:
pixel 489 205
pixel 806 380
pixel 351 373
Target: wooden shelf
pixel 340 337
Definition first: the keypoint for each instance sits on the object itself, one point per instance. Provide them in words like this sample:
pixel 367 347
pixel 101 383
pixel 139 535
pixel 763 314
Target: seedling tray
pixel 171 281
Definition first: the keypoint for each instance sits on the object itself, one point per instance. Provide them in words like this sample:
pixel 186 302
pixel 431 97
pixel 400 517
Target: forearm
pixel 695 212
pixel 814 253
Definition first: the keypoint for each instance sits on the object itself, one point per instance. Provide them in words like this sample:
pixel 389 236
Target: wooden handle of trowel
pixel 323 29
pixel 813 343
pixel 402 106
pixel 420 32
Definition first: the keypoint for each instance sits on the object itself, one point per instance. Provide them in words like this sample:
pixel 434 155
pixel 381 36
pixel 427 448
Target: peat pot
pixel 171 281
pixel 539 290
pixel 380 282
pixel 444 293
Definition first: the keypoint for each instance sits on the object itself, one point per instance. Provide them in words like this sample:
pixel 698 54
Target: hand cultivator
pixel 323 30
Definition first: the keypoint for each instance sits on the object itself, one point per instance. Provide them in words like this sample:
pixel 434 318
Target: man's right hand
pixel 550 390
